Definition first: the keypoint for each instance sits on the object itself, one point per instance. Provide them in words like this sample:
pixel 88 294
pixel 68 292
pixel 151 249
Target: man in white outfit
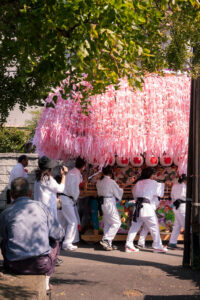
pixel 69 204
pixel 178 196
pixel 141 242
pixel 144 191
pixel 109 190
pixel 17 171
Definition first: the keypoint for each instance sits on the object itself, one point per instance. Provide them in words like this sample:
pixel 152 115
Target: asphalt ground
pixel 90 273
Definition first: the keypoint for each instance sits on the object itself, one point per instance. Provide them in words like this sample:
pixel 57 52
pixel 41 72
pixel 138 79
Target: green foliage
pixel 12 140
pixel 18 140
pixel 32 124
pixel 41 41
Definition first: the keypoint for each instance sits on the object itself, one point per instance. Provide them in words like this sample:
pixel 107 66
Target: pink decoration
pixel 120 122
pixel 137 161
pixel 177 159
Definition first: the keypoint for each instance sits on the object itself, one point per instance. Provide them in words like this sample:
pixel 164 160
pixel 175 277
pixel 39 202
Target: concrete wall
pixel 18 119
pixel 7 162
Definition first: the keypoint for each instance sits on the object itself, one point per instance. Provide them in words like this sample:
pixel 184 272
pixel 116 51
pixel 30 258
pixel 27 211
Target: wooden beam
pixel 122 237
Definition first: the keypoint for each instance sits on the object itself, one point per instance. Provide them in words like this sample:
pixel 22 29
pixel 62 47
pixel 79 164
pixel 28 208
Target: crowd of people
pixel 32 232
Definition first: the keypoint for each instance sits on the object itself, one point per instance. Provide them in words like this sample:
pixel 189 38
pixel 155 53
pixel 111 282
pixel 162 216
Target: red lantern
pixel 137 161
pixel 178 159
pixel 110 161
pixel 95 162
pixel 122 161
pixel 151 160
pixel 166 160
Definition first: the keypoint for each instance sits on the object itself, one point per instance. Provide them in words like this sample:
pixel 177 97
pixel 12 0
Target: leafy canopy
pixel 41 41
pixel 12 140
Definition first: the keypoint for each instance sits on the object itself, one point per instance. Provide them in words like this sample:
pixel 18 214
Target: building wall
pixel 18 119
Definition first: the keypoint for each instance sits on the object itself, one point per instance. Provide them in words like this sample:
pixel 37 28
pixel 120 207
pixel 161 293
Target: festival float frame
pixel 120 125
pixel 164 212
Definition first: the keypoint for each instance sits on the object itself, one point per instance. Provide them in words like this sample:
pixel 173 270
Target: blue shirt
pixel 26 227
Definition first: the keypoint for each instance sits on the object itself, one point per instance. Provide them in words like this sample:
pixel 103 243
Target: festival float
pixel 125 128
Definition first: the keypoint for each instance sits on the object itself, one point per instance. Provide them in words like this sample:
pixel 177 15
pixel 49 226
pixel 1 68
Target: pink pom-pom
pixel 120 122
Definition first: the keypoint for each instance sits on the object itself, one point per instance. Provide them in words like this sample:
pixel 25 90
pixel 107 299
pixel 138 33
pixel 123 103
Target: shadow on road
pixel 72 281
pixel 7 291
pixel 176 271
pixel 172 297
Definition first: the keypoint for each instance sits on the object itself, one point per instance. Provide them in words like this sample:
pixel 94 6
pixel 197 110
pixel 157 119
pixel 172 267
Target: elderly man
pixel 17 171
pixel 27 229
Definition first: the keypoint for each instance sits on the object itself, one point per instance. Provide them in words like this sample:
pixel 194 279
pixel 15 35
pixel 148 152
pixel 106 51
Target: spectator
pixel 46 187
pixel 17 171
pixel 26 230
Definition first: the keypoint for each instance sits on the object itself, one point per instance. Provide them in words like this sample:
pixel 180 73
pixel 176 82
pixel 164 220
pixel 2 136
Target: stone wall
pixel 7 162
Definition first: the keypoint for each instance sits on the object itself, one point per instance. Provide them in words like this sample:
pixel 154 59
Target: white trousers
pixel 69 219
pixel 111 219
pixel 178 223
pixel 143 235
pixel 152 225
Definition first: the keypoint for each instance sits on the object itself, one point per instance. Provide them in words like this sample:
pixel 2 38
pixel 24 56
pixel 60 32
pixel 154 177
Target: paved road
pixel 91 273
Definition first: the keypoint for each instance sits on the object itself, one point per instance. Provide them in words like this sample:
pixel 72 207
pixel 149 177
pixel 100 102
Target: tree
pixel 19 140
pixel 33 122
pixel 12 140
pixel 41 41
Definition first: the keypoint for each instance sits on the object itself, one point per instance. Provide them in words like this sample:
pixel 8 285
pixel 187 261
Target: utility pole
pixel 187 234
pixel 192 220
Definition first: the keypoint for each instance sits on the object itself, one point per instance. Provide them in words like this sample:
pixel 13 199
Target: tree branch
pixel 67 33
